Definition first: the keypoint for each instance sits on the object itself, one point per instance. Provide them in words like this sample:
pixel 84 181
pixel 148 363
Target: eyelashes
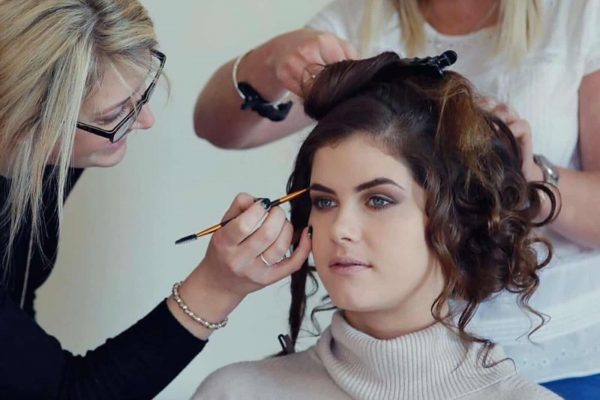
pixel 124 111
pixel 374 202
pixel 380 202
pixel 321 203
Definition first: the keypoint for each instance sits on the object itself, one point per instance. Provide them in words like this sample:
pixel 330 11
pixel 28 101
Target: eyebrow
pixel 362 187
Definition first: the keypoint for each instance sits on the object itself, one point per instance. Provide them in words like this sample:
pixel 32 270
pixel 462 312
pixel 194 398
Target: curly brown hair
pixel 481 210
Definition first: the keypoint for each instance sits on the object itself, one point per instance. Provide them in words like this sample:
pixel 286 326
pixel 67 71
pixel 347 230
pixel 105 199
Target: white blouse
pixel 543 89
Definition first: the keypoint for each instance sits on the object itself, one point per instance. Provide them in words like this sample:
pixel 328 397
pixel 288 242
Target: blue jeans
pixel 585 388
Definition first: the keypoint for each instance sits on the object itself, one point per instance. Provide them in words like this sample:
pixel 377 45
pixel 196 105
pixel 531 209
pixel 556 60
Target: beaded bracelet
pixel 190 313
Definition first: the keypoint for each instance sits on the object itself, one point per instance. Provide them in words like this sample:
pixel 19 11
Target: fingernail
pixel 310 231
pixel 265 203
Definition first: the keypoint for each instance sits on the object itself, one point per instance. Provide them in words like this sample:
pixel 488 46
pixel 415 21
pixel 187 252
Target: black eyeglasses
pixel 122 127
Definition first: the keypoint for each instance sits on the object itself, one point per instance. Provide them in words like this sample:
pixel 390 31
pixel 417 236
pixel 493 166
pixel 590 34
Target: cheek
pixel 85 146
pixel 401 241
pixel 86 142
pixel 320 238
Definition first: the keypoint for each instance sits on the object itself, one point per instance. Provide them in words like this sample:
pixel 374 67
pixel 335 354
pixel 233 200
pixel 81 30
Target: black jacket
pixel 136 364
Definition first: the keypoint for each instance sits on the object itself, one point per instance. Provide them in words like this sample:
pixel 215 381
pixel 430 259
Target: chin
pixel 356 302
pixel 106 158
pixel 112 161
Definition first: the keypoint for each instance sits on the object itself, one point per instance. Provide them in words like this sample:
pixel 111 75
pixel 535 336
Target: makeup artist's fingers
pixel 240 203
pixel 242 226
pixel 240 275
pixel 292 263
pixel 266 235
pixel 277 251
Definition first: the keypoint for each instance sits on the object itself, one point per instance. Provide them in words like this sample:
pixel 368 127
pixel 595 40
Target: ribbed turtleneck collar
pixel 428 364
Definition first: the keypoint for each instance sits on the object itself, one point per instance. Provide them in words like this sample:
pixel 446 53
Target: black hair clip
pixel 254 101
pixel 436 63
pixel 275 111
pixel 286 343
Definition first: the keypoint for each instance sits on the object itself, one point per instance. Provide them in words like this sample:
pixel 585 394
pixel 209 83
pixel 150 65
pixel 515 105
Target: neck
pixel 460 17
pixel 433 363
pixel 385 325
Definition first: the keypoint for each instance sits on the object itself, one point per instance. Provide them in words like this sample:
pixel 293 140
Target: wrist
pixel 203 287
pixel 543 171
pixel 258 68
pixel 549 171
pixel 204 298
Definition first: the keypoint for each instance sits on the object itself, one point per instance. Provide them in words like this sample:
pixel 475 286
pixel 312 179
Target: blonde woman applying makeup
pixel 75 80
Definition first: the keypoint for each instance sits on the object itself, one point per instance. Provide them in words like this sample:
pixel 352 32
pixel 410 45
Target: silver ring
pixel 264 260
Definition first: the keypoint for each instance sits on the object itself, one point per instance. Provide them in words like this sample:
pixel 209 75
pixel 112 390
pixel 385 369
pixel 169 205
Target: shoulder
pixel 268 378
pixel 517 387
pixel 568 9
pixel 571 30
pixel 341 17
pixel 574 16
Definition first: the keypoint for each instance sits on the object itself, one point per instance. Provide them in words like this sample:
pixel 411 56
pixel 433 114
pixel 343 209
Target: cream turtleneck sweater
pixel 347 364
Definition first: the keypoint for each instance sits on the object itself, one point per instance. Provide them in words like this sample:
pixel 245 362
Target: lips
pixel 347 263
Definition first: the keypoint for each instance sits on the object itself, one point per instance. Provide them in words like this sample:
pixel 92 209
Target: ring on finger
pixel 264 260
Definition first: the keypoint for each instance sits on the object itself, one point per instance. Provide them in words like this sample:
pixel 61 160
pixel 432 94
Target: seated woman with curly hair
pixel 419 212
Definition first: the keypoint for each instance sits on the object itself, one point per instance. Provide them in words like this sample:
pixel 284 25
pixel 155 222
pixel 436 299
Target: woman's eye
pixel 379 202
pixel 322 203
pixel 111 120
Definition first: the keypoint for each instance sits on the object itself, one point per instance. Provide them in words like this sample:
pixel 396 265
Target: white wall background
pixel 117 259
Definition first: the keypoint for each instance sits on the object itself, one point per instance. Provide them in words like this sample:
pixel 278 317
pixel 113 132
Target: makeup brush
pixel 216 227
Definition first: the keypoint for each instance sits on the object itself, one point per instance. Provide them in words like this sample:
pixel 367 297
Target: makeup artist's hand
pixel 234 252
pixel 521 130
pixel 233 268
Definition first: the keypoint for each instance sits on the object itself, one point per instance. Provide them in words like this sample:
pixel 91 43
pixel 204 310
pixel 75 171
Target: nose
pixel 346 226
pixel 145 119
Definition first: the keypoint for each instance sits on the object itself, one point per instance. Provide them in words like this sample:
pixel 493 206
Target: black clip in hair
pixel 286 344
pixel 436 63
pixel 254 101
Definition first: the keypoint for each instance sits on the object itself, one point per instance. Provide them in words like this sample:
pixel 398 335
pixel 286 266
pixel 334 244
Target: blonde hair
pixel 52 56
pixel 520 25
